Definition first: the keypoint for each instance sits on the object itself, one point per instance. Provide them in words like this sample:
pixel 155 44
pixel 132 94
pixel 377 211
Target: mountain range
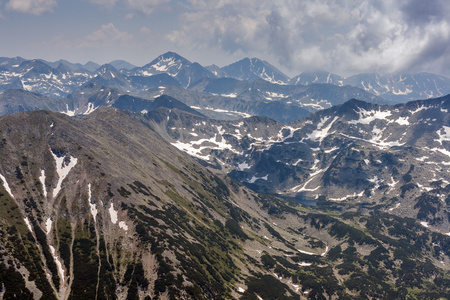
pixel 58 79
pixel 177 181
pixel 101 207
pixel 350 153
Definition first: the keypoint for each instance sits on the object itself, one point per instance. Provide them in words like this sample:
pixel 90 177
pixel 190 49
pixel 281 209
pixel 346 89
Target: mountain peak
pixel 253 69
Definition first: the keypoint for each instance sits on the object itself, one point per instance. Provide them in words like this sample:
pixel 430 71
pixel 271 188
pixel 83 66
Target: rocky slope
pixel 393 156
pixel 101 207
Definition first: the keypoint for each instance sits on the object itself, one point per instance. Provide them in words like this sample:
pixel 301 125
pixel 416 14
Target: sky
pixel 345 37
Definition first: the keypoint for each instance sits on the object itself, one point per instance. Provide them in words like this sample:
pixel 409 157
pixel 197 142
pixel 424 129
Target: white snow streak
pixel 68 112
pixel 321 132
pixel 63 170
pixel 91 205
pixel 48 225
pixel 42 179
pixel 6 185
pixel 113 214
pixel 424 224
pixel 90 108
pixel 306 252
pixel 58 263
pixel 28 224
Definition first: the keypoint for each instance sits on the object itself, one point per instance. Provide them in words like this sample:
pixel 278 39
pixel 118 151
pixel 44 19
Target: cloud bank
pixel 344 36
pixel 341 36
pixel 35 7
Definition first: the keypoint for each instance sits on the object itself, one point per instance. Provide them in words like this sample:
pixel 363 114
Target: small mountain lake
pixel 300 200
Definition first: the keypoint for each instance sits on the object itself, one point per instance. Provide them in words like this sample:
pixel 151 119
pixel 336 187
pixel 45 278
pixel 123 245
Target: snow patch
pixel 6 186
pixel 444 134
pixel 348 196
pixel 68 112
pixel 42 179
pixel 63 169
pixel 243 166
pixel 28 224
pixel 304 264
pixel 58 262
pixel 195 148
pixel 113 214
pixel 123 225
pixel 321 132
pixel 402 121
pixel 48 225
pixel 424 224
pixel 395 207
pixel 420 108
pixel 241 290
pixel 90 108
pixel 276 95
pixel 254 178
pixel 114 218
pixel 93 209
pixel 368 116
pixel 231 95
pixel 306 252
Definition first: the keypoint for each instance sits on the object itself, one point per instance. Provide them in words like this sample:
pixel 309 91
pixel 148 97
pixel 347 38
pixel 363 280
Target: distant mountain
pixel 224 107
pixel 316 77
pixel 122 64
pixel 176 66
pixel 127 102
pixel 312 98
pixel 253 69
pixel 18 100
pixel 107 75
pixel 66 64
pixel 38 77
pixel 148 82
pixel 91 66
pixel 394 88
pixel 7 63
pixel 402 88
pixel 82 102
pixel 218 72
pixel 248 80
pixel 391 156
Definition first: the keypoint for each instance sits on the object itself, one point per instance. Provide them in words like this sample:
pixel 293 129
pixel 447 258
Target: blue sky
pixel 344 37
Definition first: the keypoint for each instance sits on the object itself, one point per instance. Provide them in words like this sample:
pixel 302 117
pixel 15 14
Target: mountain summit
pixel 176 66
pixel 253 68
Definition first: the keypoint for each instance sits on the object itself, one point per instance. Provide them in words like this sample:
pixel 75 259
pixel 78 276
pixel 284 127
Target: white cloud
pixel 144 6
pixel 344 36
pixel 35 7
pixel 108 35
pixel 139 6
pixel 109 3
